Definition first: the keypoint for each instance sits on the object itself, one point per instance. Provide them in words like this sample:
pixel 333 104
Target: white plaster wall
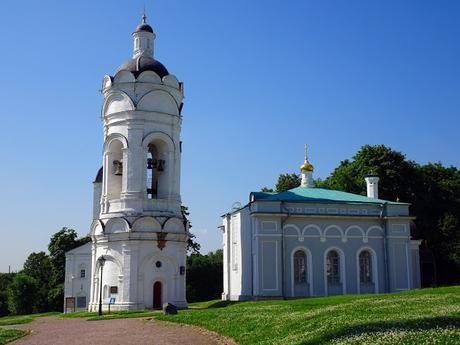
pixel 74 285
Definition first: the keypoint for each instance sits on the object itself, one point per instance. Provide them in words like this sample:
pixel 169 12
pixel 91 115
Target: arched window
pixel 333 267
pixel 365 267
pixel 300 267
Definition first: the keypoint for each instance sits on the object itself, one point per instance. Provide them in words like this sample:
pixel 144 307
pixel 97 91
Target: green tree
pixel 192 246
pixel 22 294
pixel 38 266
pixel 437 211
pixel 286 182
pixel 398 176
pixel 204 276
pixel 60 243
pixel 56 297
pixel 5 281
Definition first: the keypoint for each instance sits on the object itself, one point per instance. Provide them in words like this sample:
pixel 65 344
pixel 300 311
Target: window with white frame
pixel 365 267
pixel 333 267
pixel 300 267
pixel 82 273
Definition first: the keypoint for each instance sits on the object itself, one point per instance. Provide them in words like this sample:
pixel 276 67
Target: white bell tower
pixel 140 236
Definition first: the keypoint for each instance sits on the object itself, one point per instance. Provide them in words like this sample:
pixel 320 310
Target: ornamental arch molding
pixel 117 225
pixel 111 138
pixel 146 224
pixel 158 101
pixel 174 225
pixel 353 228
pixel 374 230
pixel 97 227
pixel 331 228
pixel 294 227
pixel 311 228
pixel 161 257
pixel 115 102
pixel 159 137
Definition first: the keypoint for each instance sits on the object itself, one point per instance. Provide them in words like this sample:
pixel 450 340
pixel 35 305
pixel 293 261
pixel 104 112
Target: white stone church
pixel 139 235
pixel 308 242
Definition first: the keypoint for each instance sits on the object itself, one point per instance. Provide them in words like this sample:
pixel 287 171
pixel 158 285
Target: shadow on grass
pixel 221 304
pixel 422 324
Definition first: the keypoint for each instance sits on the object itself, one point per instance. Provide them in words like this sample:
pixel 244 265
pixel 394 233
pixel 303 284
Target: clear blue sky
pixel 261 79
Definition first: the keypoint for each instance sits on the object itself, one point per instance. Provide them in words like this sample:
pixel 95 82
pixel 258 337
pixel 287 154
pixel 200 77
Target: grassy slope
pixel 426 316
pixel 20 319
pixel 7 335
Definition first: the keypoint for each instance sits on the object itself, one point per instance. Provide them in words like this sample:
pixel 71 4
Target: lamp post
pixel 101 264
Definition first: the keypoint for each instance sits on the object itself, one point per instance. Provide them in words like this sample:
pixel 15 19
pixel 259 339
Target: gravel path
pixel 56 331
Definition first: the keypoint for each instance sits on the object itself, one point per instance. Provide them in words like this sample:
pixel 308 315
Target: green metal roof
pixel 318 195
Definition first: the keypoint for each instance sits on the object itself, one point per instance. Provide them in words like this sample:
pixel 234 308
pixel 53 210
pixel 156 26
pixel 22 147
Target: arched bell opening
pixel 114 170
pixel 157 180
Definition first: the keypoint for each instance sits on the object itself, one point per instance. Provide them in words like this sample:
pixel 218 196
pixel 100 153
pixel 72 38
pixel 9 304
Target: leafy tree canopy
pixel 61 242
pixel 22 294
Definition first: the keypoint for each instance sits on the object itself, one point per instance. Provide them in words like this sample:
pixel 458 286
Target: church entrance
pixel 157 295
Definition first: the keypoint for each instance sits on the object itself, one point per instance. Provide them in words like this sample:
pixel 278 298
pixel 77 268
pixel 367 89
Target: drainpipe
pixel 282 246
pixel 383 213
pixel 252 252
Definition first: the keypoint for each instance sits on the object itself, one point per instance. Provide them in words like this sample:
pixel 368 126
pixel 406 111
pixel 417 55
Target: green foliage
pixel 204 276
pixel 56 297
pixel 8 335
pixel 286 182
pixel 3 303
pixel 5 281
pixel 38 266
pixel 267 190
pixel 424 316
pixel 192 246
pixel 22 294
pixel 397 174
pixel 61 242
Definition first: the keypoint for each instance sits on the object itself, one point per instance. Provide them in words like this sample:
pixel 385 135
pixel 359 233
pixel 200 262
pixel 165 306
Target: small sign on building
pixel 69 303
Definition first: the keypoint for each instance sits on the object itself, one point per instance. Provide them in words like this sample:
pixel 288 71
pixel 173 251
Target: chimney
pixel 372 182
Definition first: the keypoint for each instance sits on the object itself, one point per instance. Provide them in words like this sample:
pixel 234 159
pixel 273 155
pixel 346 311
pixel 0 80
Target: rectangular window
pixel 82 273
pixel 113 289
pixel 81 302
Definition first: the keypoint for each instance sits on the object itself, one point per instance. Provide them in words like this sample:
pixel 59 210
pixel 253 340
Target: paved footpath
pixel 56 331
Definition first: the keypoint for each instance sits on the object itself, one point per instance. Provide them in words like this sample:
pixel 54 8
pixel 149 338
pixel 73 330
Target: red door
pixel 157 295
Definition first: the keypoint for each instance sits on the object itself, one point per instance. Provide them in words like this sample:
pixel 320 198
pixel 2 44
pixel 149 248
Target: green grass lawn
pixel 424 316
pixel 7 335
pixel 20 319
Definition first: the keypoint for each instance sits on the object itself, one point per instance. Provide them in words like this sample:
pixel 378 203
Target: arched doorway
pixel 157 295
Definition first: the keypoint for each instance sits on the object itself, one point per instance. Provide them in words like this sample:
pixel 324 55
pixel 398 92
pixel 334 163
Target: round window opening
pixel 158 264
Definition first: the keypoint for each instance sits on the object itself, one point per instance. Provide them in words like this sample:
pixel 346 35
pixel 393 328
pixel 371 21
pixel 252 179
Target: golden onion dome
pixel 307 166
